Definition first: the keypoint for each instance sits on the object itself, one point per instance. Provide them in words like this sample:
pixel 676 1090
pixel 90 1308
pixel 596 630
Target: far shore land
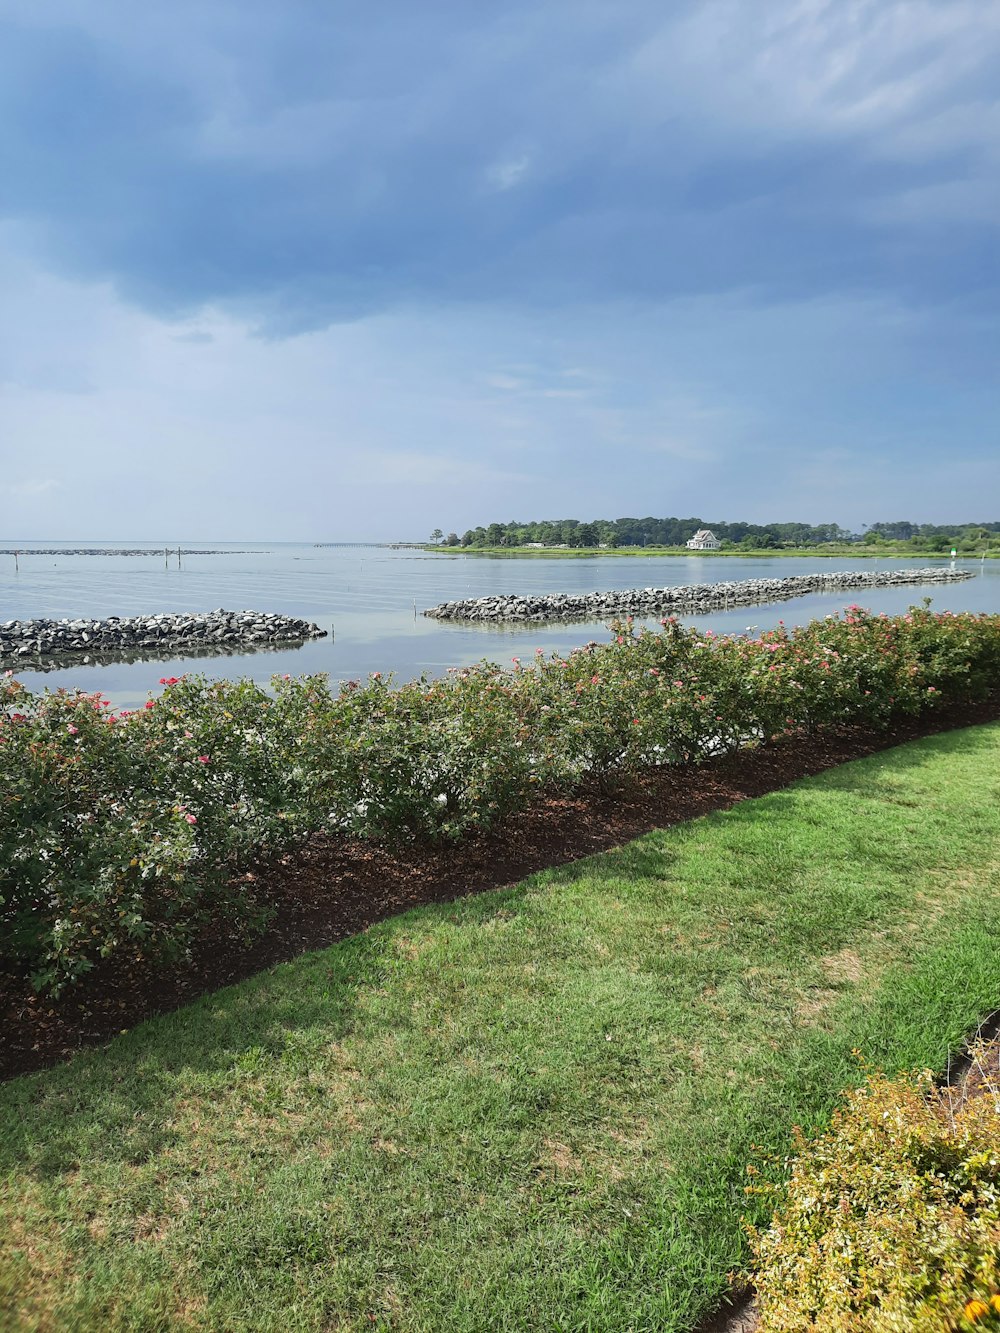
pixel 839 551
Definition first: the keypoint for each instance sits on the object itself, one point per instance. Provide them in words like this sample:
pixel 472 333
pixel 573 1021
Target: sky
pixel 342 270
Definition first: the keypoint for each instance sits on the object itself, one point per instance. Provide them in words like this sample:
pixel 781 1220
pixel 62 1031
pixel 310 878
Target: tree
pixel 451 539
pixel 437 535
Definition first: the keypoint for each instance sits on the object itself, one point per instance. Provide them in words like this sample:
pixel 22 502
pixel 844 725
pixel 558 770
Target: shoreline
pixel 680 552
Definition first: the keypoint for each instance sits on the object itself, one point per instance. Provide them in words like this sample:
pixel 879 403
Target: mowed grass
pixel 530 1110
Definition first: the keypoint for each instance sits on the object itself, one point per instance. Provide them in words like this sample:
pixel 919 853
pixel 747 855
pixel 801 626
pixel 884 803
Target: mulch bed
pixel 330 888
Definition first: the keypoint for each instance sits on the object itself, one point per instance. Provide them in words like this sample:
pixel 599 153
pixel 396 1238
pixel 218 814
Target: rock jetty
pixel 690 597
pixel 118 550
pixel 20 639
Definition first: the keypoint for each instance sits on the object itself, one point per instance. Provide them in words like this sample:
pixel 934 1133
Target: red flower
pixel 150 703
pixel 203 759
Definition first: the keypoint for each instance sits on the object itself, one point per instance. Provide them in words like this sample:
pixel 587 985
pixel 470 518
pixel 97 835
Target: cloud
pixel 416 266
pixel 505 173
pixel 869 70
pixel 298 168
pixel 390 426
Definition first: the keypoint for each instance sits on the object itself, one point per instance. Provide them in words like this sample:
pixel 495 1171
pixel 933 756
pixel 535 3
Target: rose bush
pixel 122 834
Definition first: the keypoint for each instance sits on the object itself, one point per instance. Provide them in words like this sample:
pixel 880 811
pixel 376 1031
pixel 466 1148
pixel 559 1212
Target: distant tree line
pixel 611 533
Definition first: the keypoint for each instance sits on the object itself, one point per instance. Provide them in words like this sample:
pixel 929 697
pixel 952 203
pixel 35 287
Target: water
pixel 368 595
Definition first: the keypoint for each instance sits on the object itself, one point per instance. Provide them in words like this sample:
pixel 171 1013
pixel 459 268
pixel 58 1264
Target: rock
pixel 687 597
pixel 48 638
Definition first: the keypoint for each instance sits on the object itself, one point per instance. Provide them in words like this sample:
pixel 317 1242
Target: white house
pixel 704 540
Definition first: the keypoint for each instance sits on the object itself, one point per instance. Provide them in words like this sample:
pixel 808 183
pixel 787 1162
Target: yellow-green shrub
pixel 891 1219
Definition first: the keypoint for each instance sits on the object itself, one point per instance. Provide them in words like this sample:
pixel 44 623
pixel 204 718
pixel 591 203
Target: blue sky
pixel 343 270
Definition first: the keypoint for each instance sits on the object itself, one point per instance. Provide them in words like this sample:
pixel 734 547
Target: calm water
pixel 368 596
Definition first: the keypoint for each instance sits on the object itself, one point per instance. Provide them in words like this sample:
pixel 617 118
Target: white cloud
pixel 507 172
pixel 853 68
pixel 389 426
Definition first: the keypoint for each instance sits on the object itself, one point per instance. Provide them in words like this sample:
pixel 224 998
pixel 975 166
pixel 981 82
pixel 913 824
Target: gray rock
pixel 45 638
pixel 686 597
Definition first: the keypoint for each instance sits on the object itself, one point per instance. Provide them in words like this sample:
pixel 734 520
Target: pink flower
pixel 149 704
pixel 203 759
pixel 73 730
pixel 170 680
pixel 191 819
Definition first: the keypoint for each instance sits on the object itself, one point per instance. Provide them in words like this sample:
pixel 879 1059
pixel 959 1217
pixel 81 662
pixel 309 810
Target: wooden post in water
pixel 166 557
pixel 178 557
pixel 17 567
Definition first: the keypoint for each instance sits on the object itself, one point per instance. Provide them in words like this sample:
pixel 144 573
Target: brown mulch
pixel 331 888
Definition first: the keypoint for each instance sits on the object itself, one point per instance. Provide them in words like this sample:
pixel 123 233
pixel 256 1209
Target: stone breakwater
pixel 120 550
pixel 20 639
pixel 690 597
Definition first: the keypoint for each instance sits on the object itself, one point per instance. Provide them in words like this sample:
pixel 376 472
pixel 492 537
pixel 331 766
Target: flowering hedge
pixel 121 833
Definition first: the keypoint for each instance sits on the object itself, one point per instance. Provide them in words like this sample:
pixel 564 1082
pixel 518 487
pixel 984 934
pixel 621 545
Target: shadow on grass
pixel 46 1118
pixel 116 1100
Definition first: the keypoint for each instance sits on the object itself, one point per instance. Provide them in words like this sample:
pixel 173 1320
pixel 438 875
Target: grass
pixel 530 1109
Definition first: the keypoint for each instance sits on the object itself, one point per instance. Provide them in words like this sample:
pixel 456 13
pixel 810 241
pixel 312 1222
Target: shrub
pixel 121 834
pixel 891 1219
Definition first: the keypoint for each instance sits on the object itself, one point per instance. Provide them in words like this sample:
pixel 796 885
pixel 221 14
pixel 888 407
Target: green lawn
pixel 531 1110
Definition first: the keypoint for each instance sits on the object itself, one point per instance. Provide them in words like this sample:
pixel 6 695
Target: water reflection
pixel 128 656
